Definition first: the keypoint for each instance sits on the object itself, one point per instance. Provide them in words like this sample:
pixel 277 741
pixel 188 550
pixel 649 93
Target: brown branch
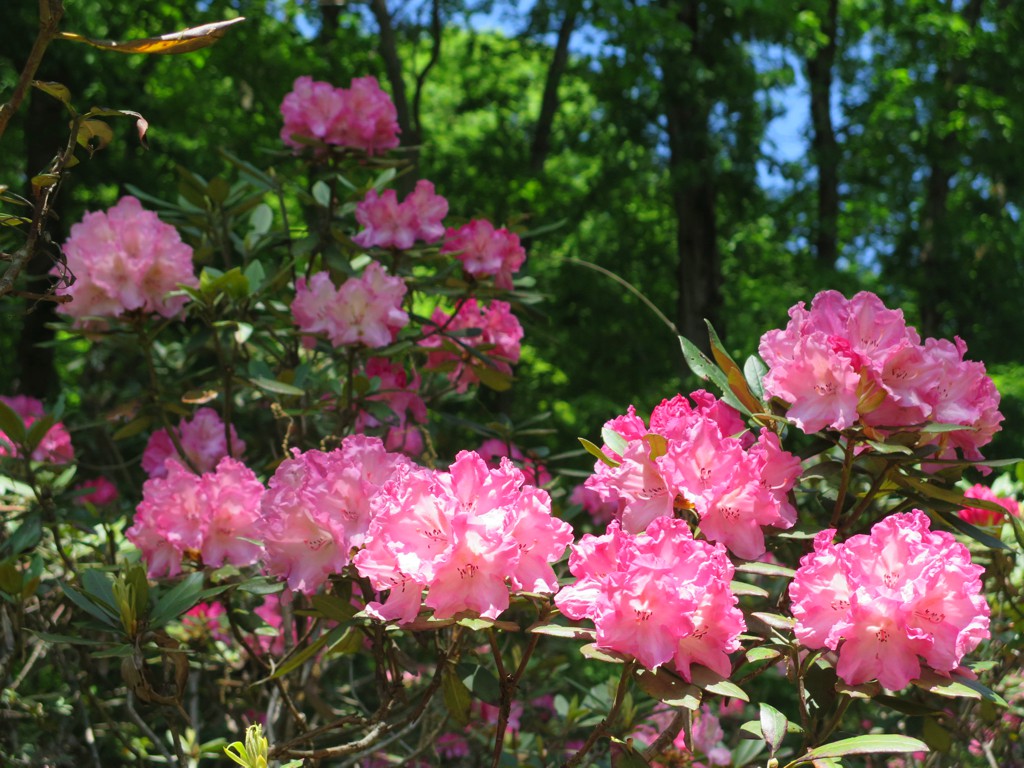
pixel 435 56
pixel 50 14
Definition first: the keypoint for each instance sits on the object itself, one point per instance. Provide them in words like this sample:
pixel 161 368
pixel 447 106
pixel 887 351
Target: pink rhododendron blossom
pixel 202 438
pixel 660 596
pixel 205 622
pixel 467 536
pixel 988 517
pixel 365 310
pixel 98 492
pixel 485 251
pixel 272 612
pixel 362 116
pixel 389 224
pixel 125 259
pixel 493 450
pixel 699 458
pixel 207 517
pixel 847 362
pixel 54 447
pixel 400 392
pixel 890 600
pixel 498 336
pixel 317 509
pixel 601 512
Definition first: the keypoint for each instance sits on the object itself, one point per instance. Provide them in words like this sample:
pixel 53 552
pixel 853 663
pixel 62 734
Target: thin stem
pixel 844 484
pixel 629 287
pixel 50 14
pixel 604 725
pixel 681 721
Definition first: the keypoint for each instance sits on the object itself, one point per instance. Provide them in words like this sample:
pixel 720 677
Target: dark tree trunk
pixel 541 144
pixel 824 148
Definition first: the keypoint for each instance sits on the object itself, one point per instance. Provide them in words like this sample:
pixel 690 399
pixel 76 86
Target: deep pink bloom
pixel 660 596
pixel 203 438
pixel 400 393
pixel 54 447
pixel 466 536
pixel 365 310
pixel 389 224
pixel 890 600
pixel 100 491
pixel 493 450
pixel 204 622
pixel 125 259
pixel 988 517
pixel 456 349
pixel 485 251
pixel 362 116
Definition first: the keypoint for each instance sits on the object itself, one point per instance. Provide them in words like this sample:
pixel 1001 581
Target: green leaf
pixel 773 726
pixel 775 620
pixel 183 41
pixel 90 607
pixel 38 431
pixel 866 745
pixel 11 424
pixel 707 370
pixel 481 682
pixel 592 651
pixel 322 193
pixel 754 370
pixel 956 686
pixel 763 653
pixel 766 569
pixel 627 755
pixel 614 441
pixel 26 537
pixel 711 681
pixel 970 530
pixel 277 387
pixel 742 588
pixel 492 378
pixel 1017 524
pixel 57 90
pixel 178 599
pixel 596 452
pixel 334 608
pixel 668 687
pixel 905 706
pixel 557 630
pixel 456 696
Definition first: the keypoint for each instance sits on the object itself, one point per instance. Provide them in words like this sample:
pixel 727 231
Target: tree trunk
pixel 824 148
pixel 541 144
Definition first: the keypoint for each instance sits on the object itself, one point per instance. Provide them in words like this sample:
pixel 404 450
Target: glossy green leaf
pixel 866 745
pixel 773 726
pixel 181 597
pixel 456 696
pixel 597 453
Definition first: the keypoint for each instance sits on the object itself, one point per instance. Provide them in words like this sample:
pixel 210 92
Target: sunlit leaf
pixel 185 41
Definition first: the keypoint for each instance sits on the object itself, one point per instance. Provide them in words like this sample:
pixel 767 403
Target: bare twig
pixel 50 14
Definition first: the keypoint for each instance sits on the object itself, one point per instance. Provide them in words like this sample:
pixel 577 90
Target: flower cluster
pixel 318 508
pixel 203 438
pixel 890 599
pixel 691 457
pixel 473 333
pixel 54 446
pixel 844 361
pixel 208 517
pixel 485 251
pixel 467 536
pixel 362 116
pixel 123 260
pixel 402 406
pixel 660 596
pixel 389 224
pixel 493 450
pixel 364 310
pixel 988 517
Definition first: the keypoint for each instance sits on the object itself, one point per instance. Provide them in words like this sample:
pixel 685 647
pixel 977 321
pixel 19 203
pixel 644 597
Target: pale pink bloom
pixel 600 511
pixel 495 345
pixel 485 251
pixel 317 508
pixel 125 259
pixel 987 517
pixel 202 438
pixel 362 116
pixel 55 446
pixel 889 600
pixel 389 224
pixel 673 418
pixel 660 596
pixel 100 492
pixel 365 310
pixel 272 613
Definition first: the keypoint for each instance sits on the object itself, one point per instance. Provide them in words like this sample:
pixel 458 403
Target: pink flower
pixel 203 438
pixel 362 116
pixel 100 492
pixel 476 338
pixel 660 596
pixel 466 536
pixel 204 622
pixel 703 459
pixel 493 450
pixel 54 447
pixel 485 251
pixel 400 393
pixel 988 517
pixel 317 509
pixel 364 310
pixel 890 600
pixel 123 260
pixel 388 224
pixel 186 515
